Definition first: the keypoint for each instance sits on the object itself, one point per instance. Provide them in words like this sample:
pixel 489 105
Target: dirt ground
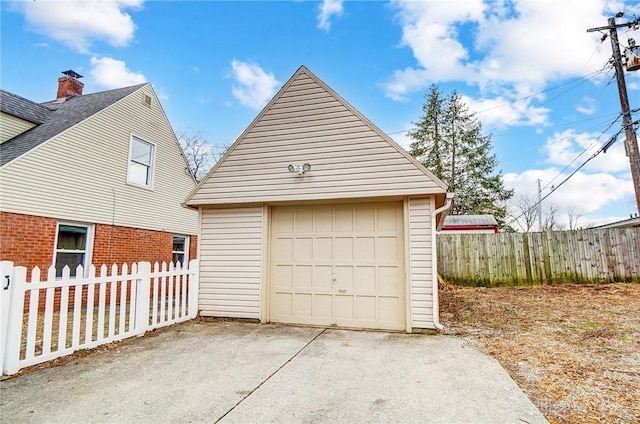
pixel 573 349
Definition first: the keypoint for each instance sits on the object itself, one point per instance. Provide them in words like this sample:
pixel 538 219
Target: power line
pixel 583 151
pixel 600 150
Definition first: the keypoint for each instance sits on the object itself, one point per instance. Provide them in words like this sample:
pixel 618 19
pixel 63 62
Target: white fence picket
pixel 32 322
pixel 128 303
pixel 112 297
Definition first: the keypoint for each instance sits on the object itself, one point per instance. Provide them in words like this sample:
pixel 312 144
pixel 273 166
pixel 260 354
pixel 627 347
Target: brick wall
pixel 28 241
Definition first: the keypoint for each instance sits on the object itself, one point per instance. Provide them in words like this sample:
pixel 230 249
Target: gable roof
pixel 53 117
pixel 481 221
pixel 23 108
pixel 308 122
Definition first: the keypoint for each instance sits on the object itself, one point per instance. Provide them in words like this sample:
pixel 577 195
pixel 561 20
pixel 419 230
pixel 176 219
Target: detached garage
pixel 315 216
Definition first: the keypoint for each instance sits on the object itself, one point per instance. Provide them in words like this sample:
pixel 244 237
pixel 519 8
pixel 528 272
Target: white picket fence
pixel 44 320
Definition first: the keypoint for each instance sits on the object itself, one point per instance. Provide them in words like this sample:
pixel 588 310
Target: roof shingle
pixel 59 117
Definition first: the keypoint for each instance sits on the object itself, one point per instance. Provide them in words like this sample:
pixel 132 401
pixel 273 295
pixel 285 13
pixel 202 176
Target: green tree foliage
pixel 448 141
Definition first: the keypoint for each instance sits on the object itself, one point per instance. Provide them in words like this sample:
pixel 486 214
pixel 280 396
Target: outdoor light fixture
pixel 300 169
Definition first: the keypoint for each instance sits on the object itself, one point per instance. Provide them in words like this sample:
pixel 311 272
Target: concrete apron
pixel 230 372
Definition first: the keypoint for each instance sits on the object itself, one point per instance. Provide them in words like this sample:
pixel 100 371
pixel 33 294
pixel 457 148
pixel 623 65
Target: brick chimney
pixel 69 86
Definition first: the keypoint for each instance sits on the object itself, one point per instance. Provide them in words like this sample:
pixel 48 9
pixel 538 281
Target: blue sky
pixel 541 85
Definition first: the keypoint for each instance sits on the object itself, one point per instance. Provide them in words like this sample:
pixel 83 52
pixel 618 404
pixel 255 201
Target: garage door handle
pixel 342 290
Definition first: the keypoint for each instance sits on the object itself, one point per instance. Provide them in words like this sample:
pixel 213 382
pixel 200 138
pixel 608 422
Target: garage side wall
pixel 420 262
pixel 231 264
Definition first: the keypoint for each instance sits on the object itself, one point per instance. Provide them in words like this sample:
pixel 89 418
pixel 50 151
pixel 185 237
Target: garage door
pixel 338 265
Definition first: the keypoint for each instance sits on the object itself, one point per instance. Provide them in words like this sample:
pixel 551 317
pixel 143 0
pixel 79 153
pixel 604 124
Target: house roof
pixel 480 221
pixel 52 117
pixel 625 223
pixel 23 108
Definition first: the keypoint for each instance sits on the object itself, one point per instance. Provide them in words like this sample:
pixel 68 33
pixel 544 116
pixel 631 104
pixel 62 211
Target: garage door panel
pixel 283 222
pixel 388 278
pixel 343 220
pixel 388 219
pixel 365 278
pixel 343 247
pixel 387 250
pixel 365 220
pixel 303 221
pixel 303 277
pixel 303 249
pixel 344 307
pixel 323 305
pixel 283 249
pixel 322 276
pixel 323 249
pixel 282 305
pixel 303 304
pixel 283 276
pixel 365 248
pixel 366 308
pixel 389 308
pixel 324 221
pixel 343 277
pixel 338 265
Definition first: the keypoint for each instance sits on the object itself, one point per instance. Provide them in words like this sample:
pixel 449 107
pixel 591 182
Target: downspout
pixel 434 260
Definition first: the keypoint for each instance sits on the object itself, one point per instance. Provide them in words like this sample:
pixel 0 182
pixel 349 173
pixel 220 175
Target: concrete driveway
pixel 230 372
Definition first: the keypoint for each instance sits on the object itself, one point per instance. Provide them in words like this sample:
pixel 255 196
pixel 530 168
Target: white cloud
pixel 587 106
pixel 561 149
pixel 517 46
pixel 328 8
pixel 78 24
pixel 112 73
pixel 500 111
pixel 584 192
pixel 254 86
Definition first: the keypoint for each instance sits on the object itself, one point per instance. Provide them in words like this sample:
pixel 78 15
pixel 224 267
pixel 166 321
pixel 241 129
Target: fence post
pixel 6 274
pixel 13 336
pixel 194 287
pixel 142 298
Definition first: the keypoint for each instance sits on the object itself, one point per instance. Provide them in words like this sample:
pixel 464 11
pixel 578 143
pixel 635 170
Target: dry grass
pixel 573 349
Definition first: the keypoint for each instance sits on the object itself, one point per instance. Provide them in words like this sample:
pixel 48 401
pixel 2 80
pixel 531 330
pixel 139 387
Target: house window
pixel 72 247
pixel 141 162
pixel 180 249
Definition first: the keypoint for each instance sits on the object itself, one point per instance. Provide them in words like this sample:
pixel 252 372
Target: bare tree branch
pixel 200 153
pixel 575 216
pixel 522 206
pixel 550 219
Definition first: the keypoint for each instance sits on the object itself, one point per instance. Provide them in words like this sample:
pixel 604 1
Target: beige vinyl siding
pixel 420 262
pixel 309 123
pixel 81 175
pixel 11 126
pixel 231 264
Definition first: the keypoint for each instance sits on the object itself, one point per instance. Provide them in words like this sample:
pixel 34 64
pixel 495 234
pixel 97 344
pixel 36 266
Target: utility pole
pixel 631 142
pixel 539 206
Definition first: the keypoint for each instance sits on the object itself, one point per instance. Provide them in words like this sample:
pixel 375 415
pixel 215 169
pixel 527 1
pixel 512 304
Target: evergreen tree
pixel 448 141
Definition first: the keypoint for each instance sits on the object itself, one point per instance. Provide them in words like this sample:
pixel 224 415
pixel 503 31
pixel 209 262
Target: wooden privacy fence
pixel 43 320
pixel 583 256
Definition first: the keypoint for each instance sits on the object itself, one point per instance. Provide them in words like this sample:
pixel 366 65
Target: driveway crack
pixel 271 375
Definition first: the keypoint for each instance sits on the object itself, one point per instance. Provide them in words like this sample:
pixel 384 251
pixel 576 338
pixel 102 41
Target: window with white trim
pixel 72 247
pixel 141 162
pixel 180 249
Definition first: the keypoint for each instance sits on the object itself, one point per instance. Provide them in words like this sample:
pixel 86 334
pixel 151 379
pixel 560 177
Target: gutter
pixel 434 260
